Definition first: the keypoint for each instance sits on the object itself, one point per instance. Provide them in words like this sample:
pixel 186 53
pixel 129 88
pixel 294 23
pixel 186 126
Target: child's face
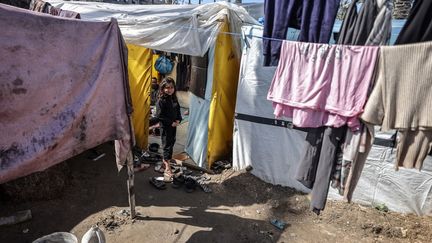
pixel 169 89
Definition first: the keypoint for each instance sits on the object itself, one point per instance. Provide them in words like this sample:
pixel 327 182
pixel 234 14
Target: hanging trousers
pixel 318 161
pixel 168 136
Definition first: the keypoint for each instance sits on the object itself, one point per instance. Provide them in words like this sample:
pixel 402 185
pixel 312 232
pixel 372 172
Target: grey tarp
pixel 63 90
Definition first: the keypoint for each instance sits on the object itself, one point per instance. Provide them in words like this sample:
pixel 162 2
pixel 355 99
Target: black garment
pixel 168 110
pixel 318 162
pixel 356 27
pixel 418 27
pixel 198 79
pixel 183 72
pixel 168 136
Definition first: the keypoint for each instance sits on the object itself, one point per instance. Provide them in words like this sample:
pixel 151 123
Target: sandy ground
pixel 238 210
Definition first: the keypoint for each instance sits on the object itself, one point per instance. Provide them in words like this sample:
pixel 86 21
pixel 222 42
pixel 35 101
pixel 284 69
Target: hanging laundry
pixel 317 162
pixel 314 19
pixel 402 99
pixel 358 143
pixel 322 85
pixel 183 72
pixel 198 79
pixel 418 27
pixel 323 88
pixel 381 31
pixel 63 90
pixel 346 32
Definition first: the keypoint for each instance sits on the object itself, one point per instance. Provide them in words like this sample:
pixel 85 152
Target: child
pixel 169 116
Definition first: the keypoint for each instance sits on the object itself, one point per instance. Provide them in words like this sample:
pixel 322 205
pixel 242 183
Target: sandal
pixel 178 181
pixel 160 185
pixel 168 177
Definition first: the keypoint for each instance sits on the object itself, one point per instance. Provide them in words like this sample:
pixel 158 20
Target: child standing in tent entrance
pixel 168 113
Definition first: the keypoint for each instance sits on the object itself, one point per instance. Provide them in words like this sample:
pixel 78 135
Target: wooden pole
pixel 130 184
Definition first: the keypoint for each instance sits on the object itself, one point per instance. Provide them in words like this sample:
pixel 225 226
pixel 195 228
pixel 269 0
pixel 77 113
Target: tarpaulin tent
pixel 190 30
pixel 274 150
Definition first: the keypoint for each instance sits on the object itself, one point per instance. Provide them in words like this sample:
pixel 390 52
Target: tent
pixel 273 149
pixel 191 30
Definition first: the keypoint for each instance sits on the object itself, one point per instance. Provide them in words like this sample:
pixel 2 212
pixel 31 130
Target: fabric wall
pixel 48 115
pixel 273 151
pixel 140 70
pixel 196 143
pixel 224 92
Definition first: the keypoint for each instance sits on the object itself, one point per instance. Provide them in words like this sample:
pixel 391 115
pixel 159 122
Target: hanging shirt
pixel 320 80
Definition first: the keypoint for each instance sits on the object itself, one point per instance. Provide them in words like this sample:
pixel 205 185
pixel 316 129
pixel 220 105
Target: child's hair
pixel 165 82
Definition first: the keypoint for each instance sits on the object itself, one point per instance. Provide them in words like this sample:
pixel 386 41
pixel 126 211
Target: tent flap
pixel 140 70
pixel 225 79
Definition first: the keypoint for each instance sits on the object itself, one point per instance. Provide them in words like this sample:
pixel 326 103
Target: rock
pixel 25 231
pixel 176 231
pixel 404 232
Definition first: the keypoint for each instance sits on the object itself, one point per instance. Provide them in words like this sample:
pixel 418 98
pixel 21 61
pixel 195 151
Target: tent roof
pixel 185 29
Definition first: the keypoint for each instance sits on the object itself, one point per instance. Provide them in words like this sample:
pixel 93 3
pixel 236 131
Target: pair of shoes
pixel 160 185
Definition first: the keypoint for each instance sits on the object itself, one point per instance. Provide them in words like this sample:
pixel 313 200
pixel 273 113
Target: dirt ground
pixel 238 210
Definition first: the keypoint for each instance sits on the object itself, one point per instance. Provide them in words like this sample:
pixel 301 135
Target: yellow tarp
pixel 224 92
pixel 140 70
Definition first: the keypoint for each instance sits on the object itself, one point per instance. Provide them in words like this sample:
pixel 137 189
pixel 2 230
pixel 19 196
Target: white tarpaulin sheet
pixel 184 29
pixel 274 152
pixel 406 190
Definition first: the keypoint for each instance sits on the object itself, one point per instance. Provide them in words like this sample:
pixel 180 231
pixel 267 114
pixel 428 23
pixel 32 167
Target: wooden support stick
pixel 130 184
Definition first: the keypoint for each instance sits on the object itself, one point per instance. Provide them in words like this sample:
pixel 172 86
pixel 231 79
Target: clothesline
pixel 238 35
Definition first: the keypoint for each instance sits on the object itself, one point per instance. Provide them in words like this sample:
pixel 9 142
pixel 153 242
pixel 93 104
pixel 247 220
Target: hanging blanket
pixel 63 90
